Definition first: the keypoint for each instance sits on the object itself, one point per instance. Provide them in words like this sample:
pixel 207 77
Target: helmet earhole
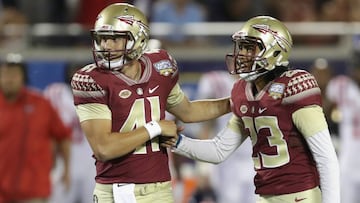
pixel 276 53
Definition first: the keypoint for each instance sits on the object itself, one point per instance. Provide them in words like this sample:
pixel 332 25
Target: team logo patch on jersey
pixel 243 109
pixel 124 94
pixel 276 90
pixel 164 67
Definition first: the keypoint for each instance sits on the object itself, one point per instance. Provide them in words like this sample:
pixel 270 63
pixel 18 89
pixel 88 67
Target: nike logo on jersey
pixel 299 200
pixel 152 90
pixel 261 110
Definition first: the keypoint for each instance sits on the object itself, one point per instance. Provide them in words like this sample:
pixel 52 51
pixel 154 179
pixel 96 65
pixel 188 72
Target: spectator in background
pixel 354 6
pixel 53 12
pixel 297 11
pixel 300 11
pixel 178 13
pixel 29 127
pixel 230 185
pixel 13 27
pixel 40 11
pixel 340 10
pixel 49 11
pixel 82 165
pixel 345 92
pixel 234 10
pixel 88 10
pixel 335 10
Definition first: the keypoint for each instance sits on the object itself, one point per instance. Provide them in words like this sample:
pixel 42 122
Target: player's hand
pixel 170 142
pixel 168 128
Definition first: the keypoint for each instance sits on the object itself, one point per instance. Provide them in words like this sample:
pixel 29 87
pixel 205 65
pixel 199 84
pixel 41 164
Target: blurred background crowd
pixel 53 38
pixel 30 18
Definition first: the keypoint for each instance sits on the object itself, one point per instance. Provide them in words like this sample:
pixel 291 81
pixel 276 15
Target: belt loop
pixel 143 190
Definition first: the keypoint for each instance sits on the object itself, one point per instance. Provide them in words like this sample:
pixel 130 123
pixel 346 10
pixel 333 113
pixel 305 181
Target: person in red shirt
pixel 29 127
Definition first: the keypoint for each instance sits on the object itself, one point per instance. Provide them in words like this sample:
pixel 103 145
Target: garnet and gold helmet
pixel 267 34
pixel 120 20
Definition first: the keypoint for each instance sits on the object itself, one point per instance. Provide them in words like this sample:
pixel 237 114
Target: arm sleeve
pixel 93 111
pixel 175 97
pixel 213 150
pixel 312 124
pixel 327 164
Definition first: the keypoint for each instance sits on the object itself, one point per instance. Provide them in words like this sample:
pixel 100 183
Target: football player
pixel 121 101
pixel 280 110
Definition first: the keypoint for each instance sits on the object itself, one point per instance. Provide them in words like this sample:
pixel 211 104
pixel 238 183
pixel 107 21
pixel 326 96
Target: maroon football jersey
pixel 282 159
pixel 132 104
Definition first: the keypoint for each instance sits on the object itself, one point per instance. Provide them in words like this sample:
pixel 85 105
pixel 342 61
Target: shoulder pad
pixel 84 85
pixel 298 81
pixel 88 68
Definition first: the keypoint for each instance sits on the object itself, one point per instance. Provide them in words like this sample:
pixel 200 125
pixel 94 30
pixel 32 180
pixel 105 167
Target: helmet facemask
pixel 249 64
pixel 112 59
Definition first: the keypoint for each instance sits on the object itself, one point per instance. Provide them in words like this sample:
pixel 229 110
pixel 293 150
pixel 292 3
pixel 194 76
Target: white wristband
pixel 153 129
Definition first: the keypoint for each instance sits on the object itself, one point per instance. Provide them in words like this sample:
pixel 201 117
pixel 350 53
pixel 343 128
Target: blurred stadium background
pixel 49 48
pixel 50 45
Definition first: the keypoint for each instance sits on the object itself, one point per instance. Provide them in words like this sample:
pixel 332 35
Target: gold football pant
pixel 144 193
pixel 307 196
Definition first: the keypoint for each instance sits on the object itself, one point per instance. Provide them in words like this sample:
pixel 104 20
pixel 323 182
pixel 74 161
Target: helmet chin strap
pixel 114 64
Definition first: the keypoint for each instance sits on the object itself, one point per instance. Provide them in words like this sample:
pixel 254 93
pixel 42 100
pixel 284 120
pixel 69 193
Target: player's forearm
pixel 213 150
pixel 107 146
pixel 119 144
pixel 203 110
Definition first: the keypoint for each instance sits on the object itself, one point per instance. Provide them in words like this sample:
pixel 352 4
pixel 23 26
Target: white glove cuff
pixel 153 129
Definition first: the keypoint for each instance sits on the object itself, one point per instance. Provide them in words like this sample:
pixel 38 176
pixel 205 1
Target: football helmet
pixel 269 37
pixel 120 21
